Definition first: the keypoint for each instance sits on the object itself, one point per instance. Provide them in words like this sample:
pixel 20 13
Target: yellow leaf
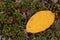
pixel 40 21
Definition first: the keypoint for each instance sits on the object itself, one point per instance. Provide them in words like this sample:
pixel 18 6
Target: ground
pixel 15 14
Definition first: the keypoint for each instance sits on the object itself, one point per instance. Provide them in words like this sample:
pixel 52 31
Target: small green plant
pixel 10 21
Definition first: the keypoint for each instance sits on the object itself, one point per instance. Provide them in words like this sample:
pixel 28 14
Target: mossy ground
pixel 15 14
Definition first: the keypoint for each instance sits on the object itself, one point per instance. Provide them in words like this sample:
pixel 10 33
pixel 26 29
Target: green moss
pixel 12 21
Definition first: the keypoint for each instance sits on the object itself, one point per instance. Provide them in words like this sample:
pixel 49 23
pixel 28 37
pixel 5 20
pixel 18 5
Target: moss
pixel 12 20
